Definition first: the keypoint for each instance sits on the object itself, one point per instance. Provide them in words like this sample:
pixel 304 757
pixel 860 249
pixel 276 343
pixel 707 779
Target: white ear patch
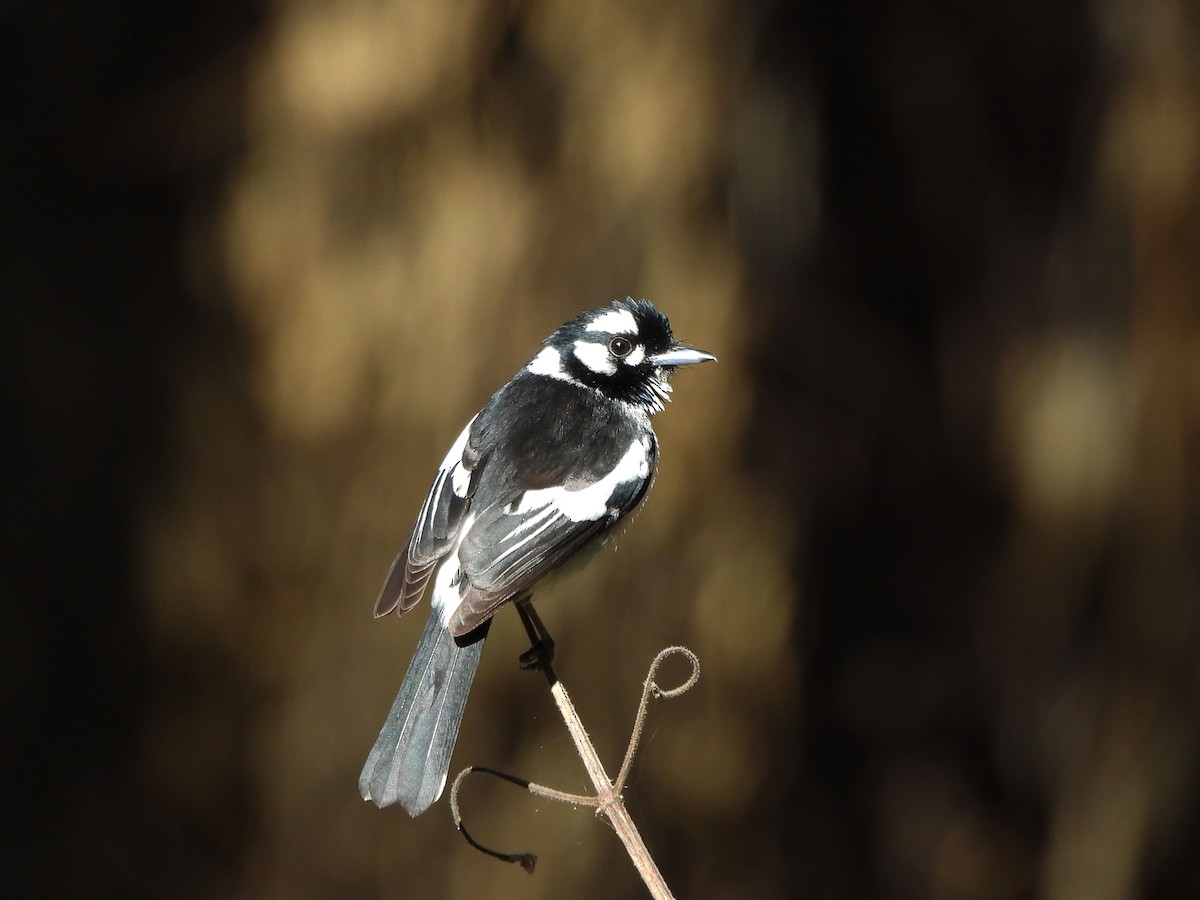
pixel 548 363
pixel 595 357
pixel 614 321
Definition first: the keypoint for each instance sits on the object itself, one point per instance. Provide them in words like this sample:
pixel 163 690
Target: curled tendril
pixel 652 687
pixel 688 684
pixel 527 861
pixel 608 800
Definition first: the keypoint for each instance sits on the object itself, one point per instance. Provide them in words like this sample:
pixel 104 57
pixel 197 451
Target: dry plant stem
pixel 608 800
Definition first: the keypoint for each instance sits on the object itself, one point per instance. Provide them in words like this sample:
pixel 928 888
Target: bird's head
pixel 625 350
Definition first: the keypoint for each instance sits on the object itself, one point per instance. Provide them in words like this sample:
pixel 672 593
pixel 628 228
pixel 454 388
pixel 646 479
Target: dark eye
pixel 620 346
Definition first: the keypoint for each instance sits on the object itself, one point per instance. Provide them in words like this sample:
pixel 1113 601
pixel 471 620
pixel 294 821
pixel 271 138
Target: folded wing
pixel 509 547
pixel 437 527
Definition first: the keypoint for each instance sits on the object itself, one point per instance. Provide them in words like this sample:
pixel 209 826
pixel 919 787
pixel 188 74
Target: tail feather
pixel 411 757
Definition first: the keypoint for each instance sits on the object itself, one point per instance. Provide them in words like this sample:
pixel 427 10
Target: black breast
pixel 538 432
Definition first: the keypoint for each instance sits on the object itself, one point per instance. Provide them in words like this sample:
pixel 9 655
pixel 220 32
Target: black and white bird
pixel 545 469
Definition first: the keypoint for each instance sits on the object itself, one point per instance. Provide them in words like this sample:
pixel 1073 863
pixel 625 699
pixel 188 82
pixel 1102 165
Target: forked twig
pixel 607 801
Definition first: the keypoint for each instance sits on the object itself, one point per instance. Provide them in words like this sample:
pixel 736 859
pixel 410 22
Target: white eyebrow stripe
pixel 614 321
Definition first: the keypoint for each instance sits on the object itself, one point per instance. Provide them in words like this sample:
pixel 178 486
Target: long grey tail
pixel 409 761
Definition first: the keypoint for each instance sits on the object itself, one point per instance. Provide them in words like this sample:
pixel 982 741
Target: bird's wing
pixel 437 527
pixel 508 547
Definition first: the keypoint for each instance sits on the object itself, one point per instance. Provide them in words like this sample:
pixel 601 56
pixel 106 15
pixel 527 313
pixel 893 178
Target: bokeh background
pixel 932 524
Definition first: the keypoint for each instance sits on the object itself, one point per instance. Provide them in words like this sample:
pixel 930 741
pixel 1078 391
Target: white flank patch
pixel 446 596
pixel 548 363
pixel 452 468
pixel 460 478
pixel 591 503
pixel 595 357
pixel 614 321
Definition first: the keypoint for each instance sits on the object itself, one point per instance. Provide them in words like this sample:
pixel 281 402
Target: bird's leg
pixel 540 654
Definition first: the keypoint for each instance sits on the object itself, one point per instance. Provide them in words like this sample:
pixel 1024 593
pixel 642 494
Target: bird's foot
pixel 539 656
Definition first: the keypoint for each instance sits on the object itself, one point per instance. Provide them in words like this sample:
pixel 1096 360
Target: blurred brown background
pixel 932 523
